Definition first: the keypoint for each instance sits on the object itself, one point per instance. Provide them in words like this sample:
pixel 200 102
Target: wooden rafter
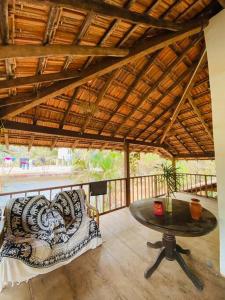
pixel 42 78
pixel 198 113
pixel 100 96
pixel 131 88
pixel 182 143
pixel 107 66
pixel 82 33
pixel 112 11
pixel 155 86
pixel 4 22
pixel 69 106
pixel 185 94
pixel 190 134
pixel 168 109
pixel 156 103
pixel 21 51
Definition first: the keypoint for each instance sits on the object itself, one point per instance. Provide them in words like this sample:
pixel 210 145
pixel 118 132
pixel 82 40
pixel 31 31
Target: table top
pixel 179 222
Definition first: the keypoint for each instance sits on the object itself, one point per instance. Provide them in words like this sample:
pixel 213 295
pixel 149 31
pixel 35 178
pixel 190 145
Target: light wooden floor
pixel 115 270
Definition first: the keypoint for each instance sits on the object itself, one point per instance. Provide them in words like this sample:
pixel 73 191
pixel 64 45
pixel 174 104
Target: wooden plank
pixel 185 94
pixel 4 21
pixel 112 11
pixel 108 65
pixel 198 113
pixel 23 51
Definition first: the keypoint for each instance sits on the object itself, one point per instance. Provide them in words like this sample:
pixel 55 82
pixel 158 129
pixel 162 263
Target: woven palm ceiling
pixel 93 74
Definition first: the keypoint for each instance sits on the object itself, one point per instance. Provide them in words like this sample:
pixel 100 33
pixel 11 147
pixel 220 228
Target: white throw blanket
pixel 42 236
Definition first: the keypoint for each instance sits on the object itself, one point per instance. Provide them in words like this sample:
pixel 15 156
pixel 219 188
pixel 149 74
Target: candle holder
pixel 158 208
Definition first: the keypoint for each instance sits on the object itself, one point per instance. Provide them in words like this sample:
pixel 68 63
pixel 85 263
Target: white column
pixel 215 44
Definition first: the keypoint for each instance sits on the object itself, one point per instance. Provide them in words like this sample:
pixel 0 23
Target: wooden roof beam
pixel 23 51
pixel 114 12
pixel 106 66
pixel 4 21
pixel 69 133
pixel 205 155
pixel 185 94
pixel 198 113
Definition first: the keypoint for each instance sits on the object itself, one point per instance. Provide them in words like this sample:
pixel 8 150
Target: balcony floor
pixel 115 270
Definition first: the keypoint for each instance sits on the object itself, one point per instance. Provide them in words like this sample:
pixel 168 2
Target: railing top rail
pixel 87 183
pixel 210 175
pixel 57 187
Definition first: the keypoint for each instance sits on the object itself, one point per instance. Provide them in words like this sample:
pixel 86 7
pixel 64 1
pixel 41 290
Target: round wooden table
pixel 177 223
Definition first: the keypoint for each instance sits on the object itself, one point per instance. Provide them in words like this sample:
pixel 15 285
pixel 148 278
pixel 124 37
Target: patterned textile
pixel 41 233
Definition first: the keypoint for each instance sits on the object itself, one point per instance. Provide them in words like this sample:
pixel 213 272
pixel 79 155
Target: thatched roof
pixel 58 89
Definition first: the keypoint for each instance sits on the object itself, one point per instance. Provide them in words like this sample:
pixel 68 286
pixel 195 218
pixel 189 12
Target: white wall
pixel 215 44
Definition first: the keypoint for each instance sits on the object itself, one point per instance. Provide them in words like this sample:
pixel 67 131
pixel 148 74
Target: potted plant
pixel 171 180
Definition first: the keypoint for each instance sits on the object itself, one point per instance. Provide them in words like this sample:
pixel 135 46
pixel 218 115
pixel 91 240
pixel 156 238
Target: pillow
pixel 26 215
pixel 71 204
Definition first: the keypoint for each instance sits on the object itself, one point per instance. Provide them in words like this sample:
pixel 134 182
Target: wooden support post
pixel 174 166
pixel 127 171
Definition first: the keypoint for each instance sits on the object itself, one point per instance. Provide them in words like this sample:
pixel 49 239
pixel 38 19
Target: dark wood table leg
pixel 156 245
pixel 171 251
pixel 152 269
pixel 183 251
pixel 196 281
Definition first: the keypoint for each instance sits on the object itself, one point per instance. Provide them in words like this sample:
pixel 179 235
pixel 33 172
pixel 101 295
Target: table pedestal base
pixel 171 251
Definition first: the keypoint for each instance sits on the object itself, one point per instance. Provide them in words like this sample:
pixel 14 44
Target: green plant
pixel 169 177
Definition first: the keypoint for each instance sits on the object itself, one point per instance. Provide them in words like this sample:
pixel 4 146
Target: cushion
pixel 33 218
pixel 71 205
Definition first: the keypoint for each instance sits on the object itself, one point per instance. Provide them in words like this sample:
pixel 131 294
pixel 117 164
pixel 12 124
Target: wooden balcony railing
pixel 141 187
